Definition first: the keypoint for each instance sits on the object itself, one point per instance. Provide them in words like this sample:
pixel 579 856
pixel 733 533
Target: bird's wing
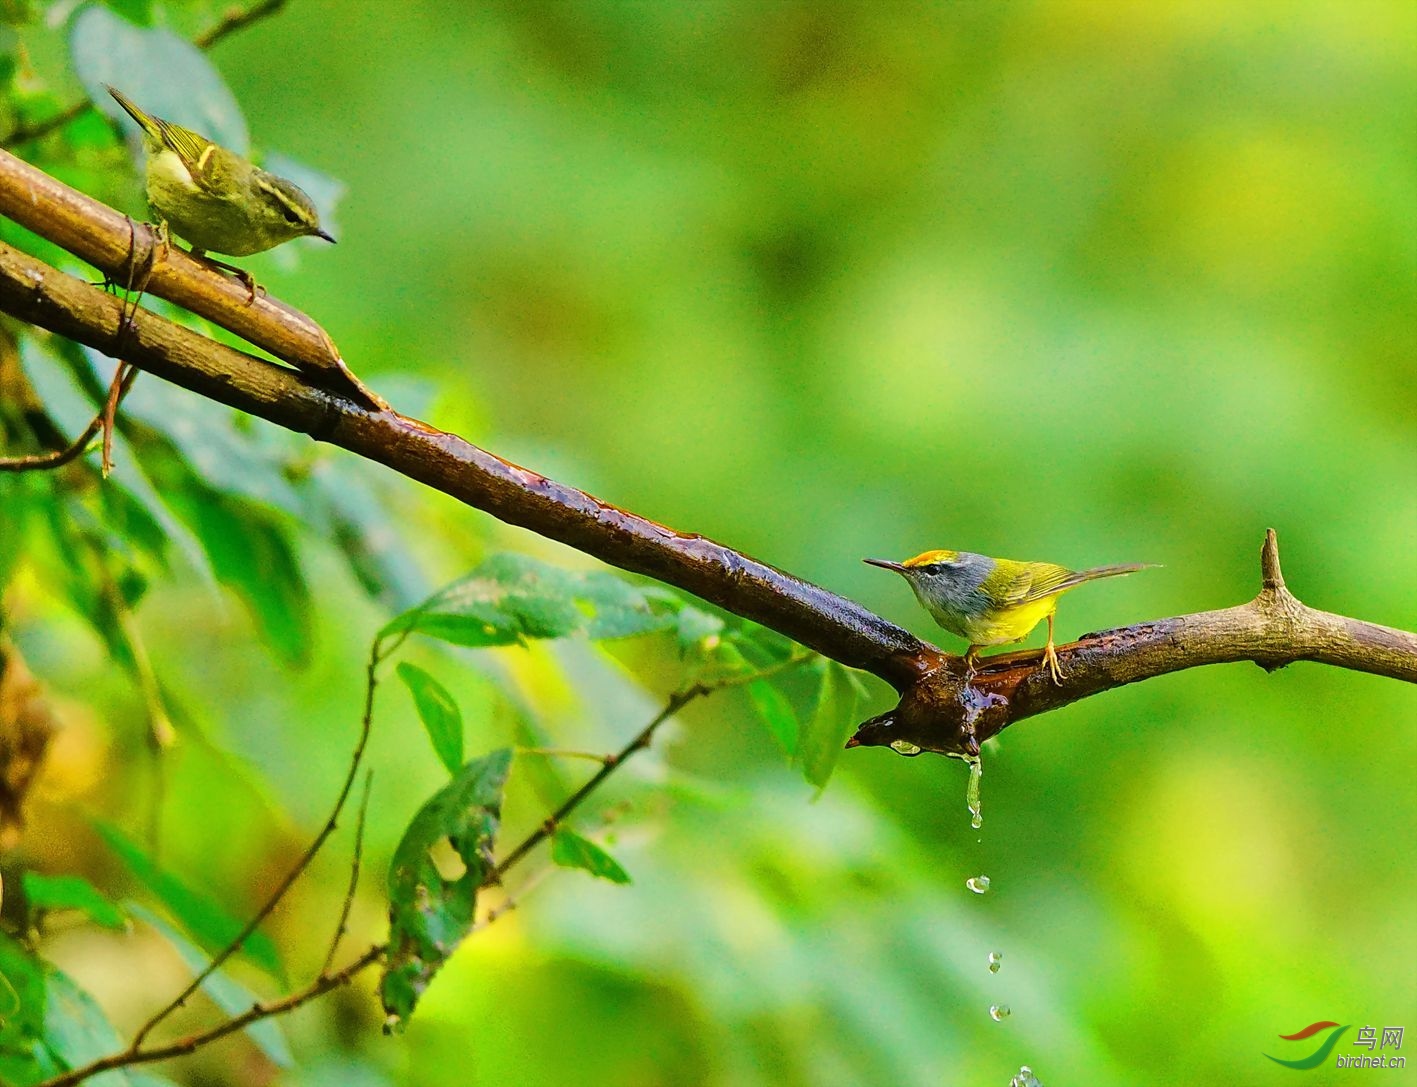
pixel 1033 581
pixel 197 152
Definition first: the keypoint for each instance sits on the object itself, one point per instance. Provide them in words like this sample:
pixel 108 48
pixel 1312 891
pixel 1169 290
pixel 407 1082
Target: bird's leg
pixel 1050 656
pixel 240 273
pixel 971 662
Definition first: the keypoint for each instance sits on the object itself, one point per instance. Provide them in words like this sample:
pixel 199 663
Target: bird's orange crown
pixel 928 558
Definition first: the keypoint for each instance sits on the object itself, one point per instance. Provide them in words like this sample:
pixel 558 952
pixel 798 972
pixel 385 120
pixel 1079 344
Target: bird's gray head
pixel 945 579
pixel 286 209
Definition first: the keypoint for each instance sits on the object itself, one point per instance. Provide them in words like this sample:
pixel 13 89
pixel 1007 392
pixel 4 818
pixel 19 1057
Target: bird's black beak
pixel 328 237
pixel 885 564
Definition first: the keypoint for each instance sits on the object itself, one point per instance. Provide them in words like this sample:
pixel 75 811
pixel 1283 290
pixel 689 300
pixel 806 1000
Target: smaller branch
pixel 365 727
pixel 234 20
pixel 348 904
pixel 75 449
pixel 562 753
pixel 192 1042
pixel 676 702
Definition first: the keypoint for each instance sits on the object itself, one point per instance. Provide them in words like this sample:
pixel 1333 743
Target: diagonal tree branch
pixel 939 709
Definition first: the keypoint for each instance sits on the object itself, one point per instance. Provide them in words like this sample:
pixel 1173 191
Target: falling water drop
pixel 971 792
pixel 996 960
pixel 999 1012
pixel 977 884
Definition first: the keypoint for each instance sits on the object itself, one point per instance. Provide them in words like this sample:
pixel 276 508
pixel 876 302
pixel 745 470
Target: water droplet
pixel 999 1012
pixel 971 791
pixel 1025 1078
pixel 905 747
pixel 996 960
pixel 977 884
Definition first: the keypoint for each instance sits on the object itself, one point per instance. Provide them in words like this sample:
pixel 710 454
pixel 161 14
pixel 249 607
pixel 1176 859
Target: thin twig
pixel 675 703
pixel 365 726
pixel 136 1054
pixel 235 20
pixel 563 753
pixel 194 1041
pixel 76 448
pixel 348 904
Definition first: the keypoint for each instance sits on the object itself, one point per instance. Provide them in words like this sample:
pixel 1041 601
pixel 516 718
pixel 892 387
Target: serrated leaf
pixel 439 713
pixel 430 915
pixel 226 992
pixel 205 921
pixel 775 711
pixel 70 893
pixel 823 738
pixel 162 72
pixel 570 850
pixel 511 598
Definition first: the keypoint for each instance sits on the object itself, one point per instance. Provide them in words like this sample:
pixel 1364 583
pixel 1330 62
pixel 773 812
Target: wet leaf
pixel 512 598
pixel 429 914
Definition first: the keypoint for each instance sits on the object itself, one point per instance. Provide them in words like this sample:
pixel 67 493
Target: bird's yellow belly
pixel 1009 625
pixel 198 217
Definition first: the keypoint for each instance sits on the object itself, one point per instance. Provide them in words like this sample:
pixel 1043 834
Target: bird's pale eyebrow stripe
pixel 205 155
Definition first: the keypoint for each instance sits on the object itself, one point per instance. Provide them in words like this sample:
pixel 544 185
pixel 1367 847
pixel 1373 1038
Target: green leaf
pixel 161 71
pixel 204 920
pixel 825 735
pixel 23 1058
pixel 570 850
pixel 777 713
pixel 511 598
pixel 439 713
pixel 70 893
pixel 226 992
pixel 75 1029
pixel 430 915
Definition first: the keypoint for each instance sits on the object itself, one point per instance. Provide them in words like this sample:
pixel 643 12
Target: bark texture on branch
pixel 939 710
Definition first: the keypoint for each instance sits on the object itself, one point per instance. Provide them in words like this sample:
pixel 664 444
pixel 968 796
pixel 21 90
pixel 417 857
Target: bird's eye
pixel 290 216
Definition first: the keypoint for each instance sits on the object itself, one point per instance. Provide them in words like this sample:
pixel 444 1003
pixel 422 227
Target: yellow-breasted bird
pixel 994 601
pixel 214 198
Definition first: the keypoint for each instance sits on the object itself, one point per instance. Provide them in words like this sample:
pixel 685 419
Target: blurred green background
pixel 1087 282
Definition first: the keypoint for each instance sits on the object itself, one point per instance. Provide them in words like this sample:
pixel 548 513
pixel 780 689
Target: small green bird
pixel 215 199
pixel 994 601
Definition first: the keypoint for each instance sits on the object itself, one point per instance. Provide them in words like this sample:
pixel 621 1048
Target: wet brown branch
pixel 839 628
pixel 945 714
pixel 937 711
pixel 114 244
